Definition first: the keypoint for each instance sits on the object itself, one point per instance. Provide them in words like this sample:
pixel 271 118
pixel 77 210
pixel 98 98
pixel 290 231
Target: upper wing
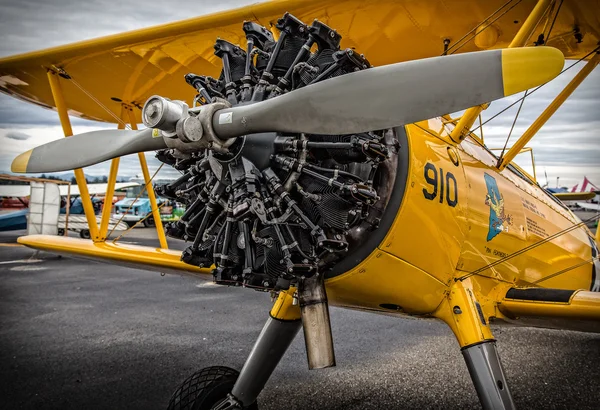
pixel 132 66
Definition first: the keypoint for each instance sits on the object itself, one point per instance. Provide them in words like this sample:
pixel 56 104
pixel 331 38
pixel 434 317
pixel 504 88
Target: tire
pixel 85 234
pixel 205 388
pixel 149 222
pixel 61 232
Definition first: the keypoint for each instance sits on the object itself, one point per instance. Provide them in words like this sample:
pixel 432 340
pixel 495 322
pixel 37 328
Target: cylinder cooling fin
pixel 271 209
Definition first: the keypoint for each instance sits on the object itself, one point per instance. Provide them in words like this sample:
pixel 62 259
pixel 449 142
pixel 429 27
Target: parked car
pixel 132 210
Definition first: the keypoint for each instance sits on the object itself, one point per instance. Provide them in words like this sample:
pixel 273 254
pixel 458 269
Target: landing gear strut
pixel 462 312
pixel 488 377
pixel 222 388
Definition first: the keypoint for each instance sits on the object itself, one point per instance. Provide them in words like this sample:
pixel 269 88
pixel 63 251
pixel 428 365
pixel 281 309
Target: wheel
pixel 204 389
pixel 61 232
pixel 149 222
pixel 85 234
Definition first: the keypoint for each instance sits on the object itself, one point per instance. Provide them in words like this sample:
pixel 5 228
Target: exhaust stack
pixel 315 321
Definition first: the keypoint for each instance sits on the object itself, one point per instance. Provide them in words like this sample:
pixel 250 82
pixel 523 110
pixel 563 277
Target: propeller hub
pixel 162 113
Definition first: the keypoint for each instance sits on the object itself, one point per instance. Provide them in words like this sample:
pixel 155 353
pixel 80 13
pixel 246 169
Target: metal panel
pixel 44 207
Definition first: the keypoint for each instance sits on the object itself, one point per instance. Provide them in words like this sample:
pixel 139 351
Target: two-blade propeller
pixel 373 99
pixel 86 149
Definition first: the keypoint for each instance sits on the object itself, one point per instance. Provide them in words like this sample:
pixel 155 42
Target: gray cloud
pixel 19 136
pixel 19 114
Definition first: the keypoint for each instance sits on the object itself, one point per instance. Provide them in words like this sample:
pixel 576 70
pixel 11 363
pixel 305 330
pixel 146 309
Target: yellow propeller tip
pixel 19 164
pixel 527 67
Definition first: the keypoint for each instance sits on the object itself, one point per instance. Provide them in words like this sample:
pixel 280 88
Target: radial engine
pixel 275 208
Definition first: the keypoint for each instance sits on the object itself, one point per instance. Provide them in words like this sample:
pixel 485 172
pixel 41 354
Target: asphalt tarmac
pixel 77 334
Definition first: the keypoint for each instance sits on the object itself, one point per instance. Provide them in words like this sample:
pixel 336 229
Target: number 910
pixel 447 185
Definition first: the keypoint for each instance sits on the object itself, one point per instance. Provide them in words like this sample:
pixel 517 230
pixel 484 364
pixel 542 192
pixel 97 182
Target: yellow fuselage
pixel 457 215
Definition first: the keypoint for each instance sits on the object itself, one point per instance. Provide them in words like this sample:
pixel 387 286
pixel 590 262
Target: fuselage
pixel 457 215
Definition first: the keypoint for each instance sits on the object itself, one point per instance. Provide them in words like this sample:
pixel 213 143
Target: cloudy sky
pixel 568 146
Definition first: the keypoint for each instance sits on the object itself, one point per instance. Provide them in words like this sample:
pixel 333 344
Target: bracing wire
pixel 570 268
pixel 553 21
pixel 530 247
pixel 104 107
pixel 126 125
pixel 532 91
pixel 478 25
pixel 512 127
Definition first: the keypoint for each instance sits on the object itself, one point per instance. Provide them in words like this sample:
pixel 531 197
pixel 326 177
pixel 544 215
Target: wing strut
pixel 468 118
pixel 549 111
pixel 150 189
pixel 65 122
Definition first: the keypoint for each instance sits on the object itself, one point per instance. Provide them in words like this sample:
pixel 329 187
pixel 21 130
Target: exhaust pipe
pixel 315 321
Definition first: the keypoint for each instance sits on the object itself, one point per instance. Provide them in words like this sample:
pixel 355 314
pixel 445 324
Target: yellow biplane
pixel 319 162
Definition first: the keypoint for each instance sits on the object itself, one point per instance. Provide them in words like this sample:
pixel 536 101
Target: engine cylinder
pixel 271 210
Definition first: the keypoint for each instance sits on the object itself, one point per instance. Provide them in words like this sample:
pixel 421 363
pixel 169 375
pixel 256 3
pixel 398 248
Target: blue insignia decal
pixel 495 200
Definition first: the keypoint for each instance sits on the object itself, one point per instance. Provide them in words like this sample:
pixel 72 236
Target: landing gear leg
pixel 275 338
pixel 463 313
pixel 488 377
pixel 222 388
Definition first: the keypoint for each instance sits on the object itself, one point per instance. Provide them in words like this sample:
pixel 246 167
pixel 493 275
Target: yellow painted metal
pixel 418 231
pixel 468 118
pixel 160 231
pixel 19 164
pixel 521 170
pixel 583 305
pixel 86 202
pixel 518 167
pixel 431 243
pixel 549 111
pixel 597 234
pixel 530 24
pixel 387 283
pixel 141 257
pixel 524 68
pixel 135 65
pixel 152 197
pixel 523 215
pixel 275 32
pixel 575 196
pixel 284 307
pixel 463 313
pixel 466 122
pixel 533 164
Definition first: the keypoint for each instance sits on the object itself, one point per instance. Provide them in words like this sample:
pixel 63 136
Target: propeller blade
pixel 395 94
pixel 86 149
